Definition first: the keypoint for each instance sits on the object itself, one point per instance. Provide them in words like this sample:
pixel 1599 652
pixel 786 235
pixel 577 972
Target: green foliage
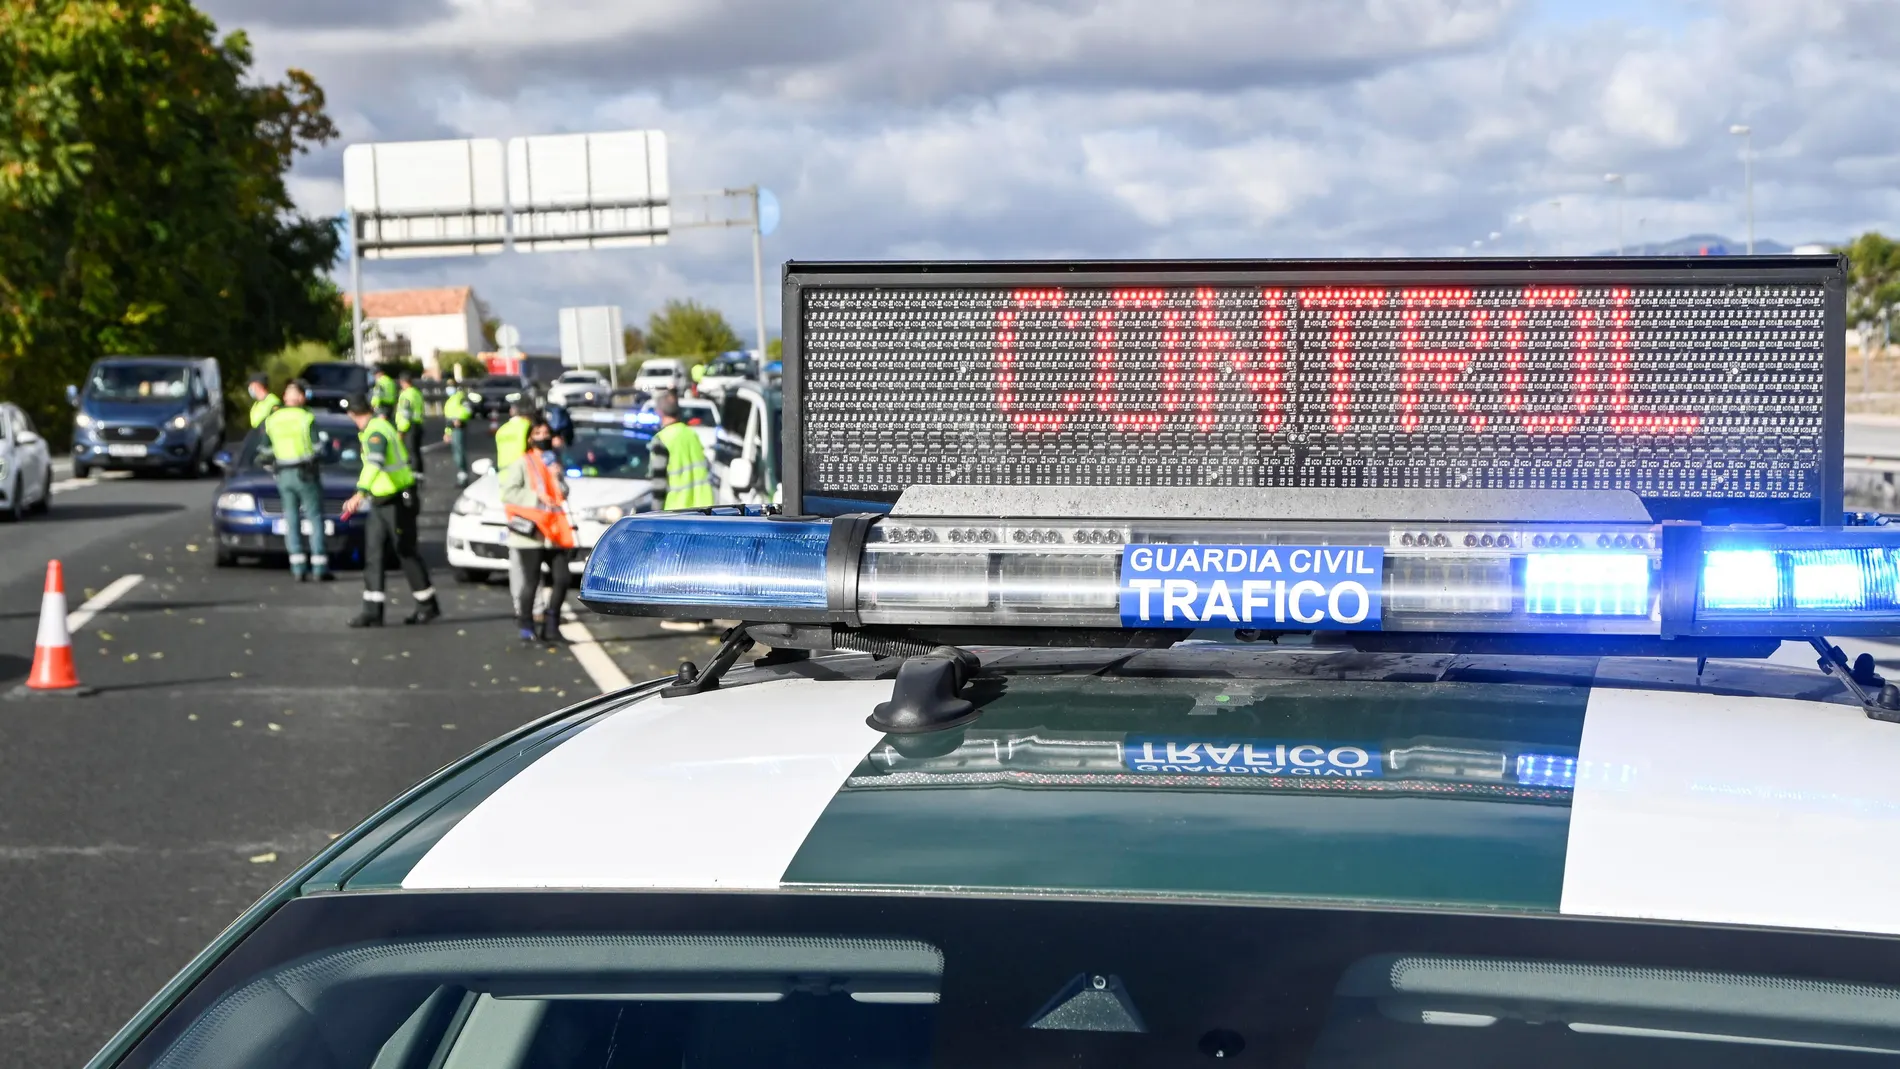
pixel 775 350
pixel 448 361
pixel 633 339
pixel 142 200
pixel 288 363
pixel 395 368
pixel 490 324
pixel 1873 276
pixel 690 330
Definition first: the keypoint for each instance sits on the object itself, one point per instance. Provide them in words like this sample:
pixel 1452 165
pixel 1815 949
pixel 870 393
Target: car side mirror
pixel 222 458
pixel 480 466
pixel 26 438
pixel 72 395
pixel 739 474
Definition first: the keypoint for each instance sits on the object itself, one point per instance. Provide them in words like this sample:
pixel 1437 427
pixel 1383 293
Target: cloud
pixel 1117 128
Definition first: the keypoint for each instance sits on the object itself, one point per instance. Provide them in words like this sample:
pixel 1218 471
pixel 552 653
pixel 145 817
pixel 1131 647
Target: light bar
pixel 1607 579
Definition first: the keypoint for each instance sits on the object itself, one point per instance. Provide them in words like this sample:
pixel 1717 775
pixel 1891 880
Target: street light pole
pixel 758 281
pixel 1747 135
pixel 1622 188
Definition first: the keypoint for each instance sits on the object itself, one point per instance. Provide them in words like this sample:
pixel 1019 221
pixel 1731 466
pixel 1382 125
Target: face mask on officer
pixel 540 438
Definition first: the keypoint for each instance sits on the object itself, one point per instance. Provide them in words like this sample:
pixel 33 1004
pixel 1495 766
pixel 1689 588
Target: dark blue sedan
pixel 249 517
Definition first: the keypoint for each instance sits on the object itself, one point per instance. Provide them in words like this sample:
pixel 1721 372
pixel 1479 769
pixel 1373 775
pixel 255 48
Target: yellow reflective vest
pixel 262 408
pixel 511 440
pixel 688 476
pixel 408 408
pixel 456 408
pixel 291 433
pixel 385 462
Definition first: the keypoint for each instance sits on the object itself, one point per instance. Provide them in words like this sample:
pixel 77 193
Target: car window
pixel 606 451
pixel 736 415
pixel 22 422
pixel 336 375
pixel 137 382
pixel 832 981
pixel 198 395
pixel 337 445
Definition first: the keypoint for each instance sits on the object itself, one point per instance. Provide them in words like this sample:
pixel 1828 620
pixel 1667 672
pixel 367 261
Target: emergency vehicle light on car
pixel 1515 578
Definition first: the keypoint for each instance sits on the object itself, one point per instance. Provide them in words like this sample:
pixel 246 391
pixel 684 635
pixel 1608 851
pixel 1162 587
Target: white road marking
pixel 600 667
pixel 716 790
pixel 63 485
pixel 101 601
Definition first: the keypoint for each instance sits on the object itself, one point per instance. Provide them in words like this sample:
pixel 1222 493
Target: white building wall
pixel 429 335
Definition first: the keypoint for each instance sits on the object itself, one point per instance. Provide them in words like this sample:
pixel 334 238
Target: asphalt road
pixel 238 727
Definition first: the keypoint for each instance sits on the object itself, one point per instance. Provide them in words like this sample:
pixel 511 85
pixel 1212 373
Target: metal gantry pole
pixel 356 289
pixel 758 283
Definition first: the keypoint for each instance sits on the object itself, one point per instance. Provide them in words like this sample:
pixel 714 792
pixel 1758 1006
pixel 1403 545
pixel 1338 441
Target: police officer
pixel 511 439
pixel 458 412
pixel 678 462
pixel 382 394
pixel 290 437
pixel 388 488
pixel 409 412
pixel 263 402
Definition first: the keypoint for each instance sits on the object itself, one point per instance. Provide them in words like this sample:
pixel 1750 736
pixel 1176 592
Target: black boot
pixel 426 610
pixel 370 615
pixel 551 630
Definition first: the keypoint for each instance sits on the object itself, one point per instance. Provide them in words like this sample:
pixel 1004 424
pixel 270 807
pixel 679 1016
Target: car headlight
pixel 610 513
pixel 237 501
pixel 82 421
pixel 466 505
pixel 179 422
pixel 516 396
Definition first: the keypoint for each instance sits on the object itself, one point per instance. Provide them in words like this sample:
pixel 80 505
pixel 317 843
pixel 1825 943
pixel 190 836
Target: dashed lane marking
pixel 101 601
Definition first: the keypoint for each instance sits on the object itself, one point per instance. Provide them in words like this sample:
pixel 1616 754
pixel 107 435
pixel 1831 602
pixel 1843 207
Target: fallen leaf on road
pixel 405 653
pixel 191 547
pixel 560 694
pixel 275 727
pixel 448 727
pixel 197 619
pixel 237 675
pixel 264 858
pixel 460 631
pixel 335 835
pixel 130 657
pixel 237 723
pixel 159 656
pixel 530 690
pixel 191 716
pixel 105 636
pixel 89 593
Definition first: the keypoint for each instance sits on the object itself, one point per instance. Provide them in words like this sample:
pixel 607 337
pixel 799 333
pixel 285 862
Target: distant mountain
pixel 1703 245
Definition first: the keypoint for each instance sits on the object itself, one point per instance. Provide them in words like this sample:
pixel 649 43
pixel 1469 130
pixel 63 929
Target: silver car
pixel 26 466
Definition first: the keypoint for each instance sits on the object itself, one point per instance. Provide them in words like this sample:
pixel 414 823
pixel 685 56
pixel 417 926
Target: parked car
pixel 580 389
pixel 606 467
pixel 248 516
pixel 662 373
pixel 148 413
pixel 330 384
pixel 726 371
pixel 26 466
pixel 745 452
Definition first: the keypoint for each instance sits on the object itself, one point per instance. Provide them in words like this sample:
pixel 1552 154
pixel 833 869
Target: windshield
pixel 336 376
pixel 138 382
pixel 499 382
pixel 336 446
pixel 581 377
pixel 726 367
pixel 606 451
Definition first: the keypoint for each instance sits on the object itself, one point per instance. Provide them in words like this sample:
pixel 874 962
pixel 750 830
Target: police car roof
pixel 1745 793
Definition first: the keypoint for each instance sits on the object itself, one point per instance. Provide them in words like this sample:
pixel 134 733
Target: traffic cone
pixel 53 651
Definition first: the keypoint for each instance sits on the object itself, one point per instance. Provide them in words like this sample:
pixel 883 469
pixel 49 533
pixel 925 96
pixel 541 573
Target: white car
pixel 606 479
pixel 662 373
pixel 726 371
pixel 580 389
pixel 26 466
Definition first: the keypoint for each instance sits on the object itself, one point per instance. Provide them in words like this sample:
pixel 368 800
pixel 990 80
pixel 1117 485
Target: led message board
pixel 1711 388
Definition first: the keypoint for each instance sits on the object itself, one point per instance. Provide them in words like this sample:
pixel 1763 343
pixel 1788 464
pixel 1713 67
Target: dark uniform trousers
pixel 412 443
pixel 391 528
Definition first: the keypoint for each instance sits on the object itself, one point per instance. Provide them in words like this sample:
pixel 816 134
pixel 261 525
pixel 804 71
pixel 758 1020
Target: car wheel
pixel 81 469
pixel 45 504
pixel 14 511
pixel 224 558
pixel 199 467
pixel 469 575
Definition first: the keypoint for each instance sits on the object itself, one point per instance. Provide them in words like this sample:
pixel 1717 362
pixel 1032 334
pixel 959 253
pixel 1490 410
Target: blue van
pixel 147 413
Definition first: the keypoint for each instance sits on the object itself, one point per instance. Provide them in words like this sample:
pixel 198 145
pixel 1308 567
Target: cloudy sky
pixel 1124 128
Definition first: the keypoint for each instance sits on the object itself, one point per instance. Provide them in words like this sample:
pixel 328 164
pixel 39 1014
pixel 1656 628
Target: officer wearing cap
pixel 290 439
pixel 678 462
pixel 382 394
pixel 458 412
pixel 388 488
pixel 409 410
pixel 263 402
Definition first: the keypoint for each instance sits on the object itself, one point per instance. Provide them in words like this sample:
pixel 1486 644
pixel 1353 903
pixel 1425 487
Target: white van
pixel 662 373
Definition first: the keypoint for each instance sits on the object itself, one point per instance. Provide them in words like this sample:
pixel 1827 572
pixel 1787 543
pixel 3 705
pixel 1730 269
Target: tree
pixel 142 197
pixel 690 329
pixel 1873 277
pixel 633 340
pixel 490 324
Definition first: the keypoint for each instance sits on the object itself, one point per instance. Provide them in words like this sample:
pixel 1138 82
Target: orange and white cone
pixel 53 650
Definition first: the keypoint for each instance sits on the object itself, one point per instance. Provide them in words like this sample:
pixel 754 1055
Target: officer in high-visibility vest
pixel 540 533
pixel 382 394
pixel 388 488
pixel 678 461
pixel 458 412
pixel 263 402
pixel 409 410
pixel 511 438
pixel 291 440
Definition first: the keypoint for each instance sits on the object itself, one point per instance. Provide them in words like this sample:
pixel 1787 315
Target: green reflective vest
pixel 408 407
pixel 291 433
pixel 456 407
pixel 688 477
pixel 382 392
pixel 262 408
pixel 510 442
pixel 385 461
